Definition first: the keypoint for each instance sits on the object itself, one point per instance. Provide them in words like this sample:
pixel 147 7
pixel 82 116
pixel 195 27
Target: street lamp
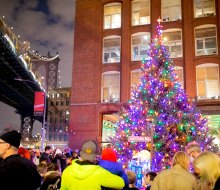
pixel 43 130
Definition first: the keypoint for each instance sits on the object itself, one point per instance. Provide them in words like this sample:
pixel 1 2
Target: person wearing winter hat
pixel 109 162
pixel 84 174
pixel 59 159
pixel 16 172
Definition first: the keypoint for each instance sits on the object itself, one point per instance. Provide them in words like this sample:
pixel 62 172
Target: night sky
pixel 49 26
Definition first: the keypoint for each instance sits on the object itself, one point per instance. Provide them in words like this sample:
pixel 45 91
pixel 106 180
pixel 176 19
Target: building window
pixel 173 42
pixel 112 16
pixel 207 78
pixel 179 72
pixel 111 49
pixel 108 127
pixel 135 79
pixel 140 45
pixel 60 137
pixel 51 128
pixel 50 137
pixel 204 8
pixel 57 103
pixel 62 103
pixel 65 137
pixel 140 12
pixel 170 10
pixel 67 103
pixel 111 86
pixel 205 40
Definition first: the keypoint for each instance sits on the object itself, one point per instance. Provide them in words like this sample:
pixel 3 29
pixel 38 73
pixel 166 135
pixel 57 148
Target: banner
pixel 139 139
pixel 39 103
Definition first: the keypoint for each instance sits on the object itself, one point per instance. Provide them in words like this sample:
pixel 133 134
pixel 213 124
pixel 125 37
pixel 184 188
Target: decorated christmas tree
pixel 159 117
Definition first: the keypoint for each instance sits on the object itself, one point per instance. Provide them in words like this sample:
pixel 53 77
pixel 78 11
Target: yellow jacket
pixel 80 177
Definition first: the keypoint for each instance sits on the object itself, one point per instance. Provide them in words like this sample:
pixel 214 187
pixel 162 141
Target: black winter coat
pixel 17 172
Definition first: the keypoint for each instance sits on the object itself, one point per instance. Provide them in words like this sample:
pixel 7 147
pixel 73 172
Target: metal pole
pixel 43 130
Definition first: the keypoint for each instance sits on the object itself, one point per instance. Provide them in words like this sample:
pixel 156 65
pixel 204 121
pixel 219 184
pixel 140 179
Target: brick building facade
pixel 109 40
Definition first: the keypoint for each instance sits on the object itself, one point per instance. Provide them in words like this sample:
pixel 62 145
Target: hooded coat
pixel 82 175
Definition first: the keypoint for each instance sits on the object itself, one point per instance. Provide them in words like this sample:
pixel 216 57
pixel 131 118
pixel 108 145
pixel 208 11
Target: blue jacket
pixel 115 168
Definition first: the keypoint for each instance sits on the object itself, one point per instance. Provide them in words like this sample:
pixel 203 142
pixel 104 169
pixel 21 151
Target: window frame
pixel 135 12
pixel 203 39
pixel 205 81
pixel 110 16
pixel 110 51
pixel 202 9
pixel 140 46
pixel 169 43
pixel 169 7
pixel 109 99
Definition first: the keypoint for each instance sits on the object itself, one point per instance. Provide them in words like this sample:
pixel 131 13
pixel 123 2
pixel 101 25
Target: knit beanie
pixel 109 154
pixel 12 137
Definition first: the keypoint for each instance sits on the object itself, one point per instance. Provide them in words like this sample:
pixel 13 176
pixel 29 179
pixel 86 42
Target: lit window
pixel 140 46
pixel 112 16
pixel 58 95
pixel 140 12
pixel 111 49
pixel 173 42
pixel 207 78
pixel 135 79
pixel 206 40
pixel 170 10
pixel 179 71
pixel 111 86
pixel 204 8
pixel 108 127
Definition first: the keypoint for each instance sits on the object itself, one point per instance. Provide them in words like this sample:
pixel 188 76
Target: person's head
pixel 89 151
pixel 131 177
pixel 9 143
pixel 182 159
pixel 193 149
pixel 149 177
pixel 58 152
pixel 42 169
pixel 109 154
pixel 48 149
pixel 207 167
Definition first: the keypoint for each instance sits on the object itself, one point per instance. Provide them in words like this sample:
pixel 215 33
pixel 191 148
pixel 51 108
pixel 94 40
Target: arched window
pixel 207 79
pixel 140 12
pixel 111 49
pixel 140 45
pixel 206 40
pixel 111 86
pixel 112 16
pixel 173 42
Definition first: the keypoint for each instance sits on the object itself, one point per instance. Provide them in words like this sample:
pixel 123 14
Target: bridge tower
pixel 47 67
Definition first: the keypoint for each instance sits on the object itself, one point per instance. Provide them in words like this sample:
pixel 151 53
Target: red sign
pixel 39 103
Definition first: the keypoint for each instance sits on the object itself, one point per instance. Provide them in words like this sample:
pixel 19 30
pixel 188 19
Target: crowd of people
pixel 23 169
